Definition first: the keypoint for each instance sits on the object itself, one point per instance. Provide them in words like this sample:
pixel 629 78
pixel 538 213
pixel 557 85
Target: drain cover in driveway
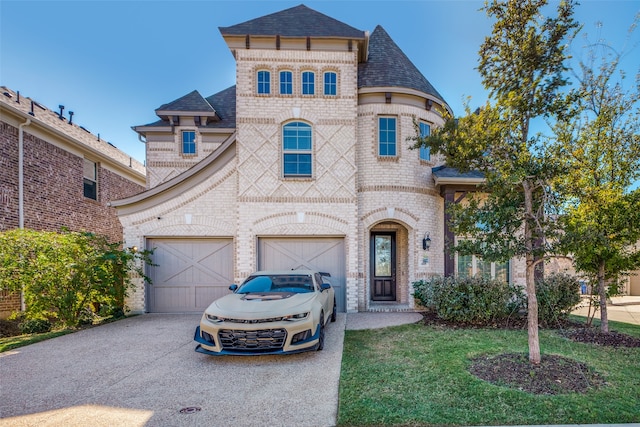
pixel 190 410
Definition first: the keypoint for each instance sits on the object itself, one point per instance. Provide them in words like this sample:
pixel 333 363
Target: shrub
pixel 558 295
pixel 69 274
pixel 9 328
pixel 35 326
pixel 474 300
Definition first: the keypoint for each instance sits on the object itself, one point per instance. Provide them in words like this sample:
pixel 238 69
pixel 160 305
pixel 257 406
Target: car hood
pixel 261 304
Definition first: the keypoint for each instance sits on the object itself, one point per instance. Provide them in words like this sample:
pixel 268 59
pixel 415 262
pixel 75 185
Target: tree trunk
pixel 532 313
pixel 532 299
pixel 602 290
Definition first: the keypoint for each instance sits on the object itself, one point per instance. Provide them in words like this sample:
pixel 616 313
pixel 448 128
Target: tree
pixel 522 64
pixel 601 148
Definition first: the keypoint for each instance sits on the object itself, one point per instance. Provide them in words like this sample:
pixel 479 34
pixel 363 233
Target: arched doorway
pixel 388 264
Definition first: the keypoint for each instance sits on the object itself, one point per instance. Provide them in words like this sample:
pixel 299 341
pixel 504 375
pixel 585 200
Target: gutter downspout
pixel 21 187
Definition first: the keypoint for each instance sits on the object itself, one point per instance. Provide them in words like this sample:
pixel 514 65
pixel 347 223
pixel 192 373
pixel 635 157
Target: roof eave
pixel 439 181
pixel 174 186
pixel 186 113
pixel 405 90
pixel 104 157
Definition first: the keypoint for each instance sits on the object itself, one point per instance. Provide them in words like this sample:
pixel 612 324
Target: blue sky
pixel 114 62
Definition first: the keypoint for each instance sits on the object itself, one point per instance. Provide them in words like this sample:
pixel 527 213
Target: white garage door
pixel 189 275
pixel 313 253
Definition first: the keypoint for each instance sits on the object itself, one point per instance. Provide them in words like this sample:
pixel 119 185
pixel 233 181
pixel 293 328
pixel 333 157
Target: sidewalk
pixel 620 309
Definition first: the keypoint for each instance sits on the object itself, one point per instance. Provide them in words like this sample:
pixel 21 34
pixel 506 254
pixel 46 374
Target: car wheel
pixel 321 337
pixel 334 315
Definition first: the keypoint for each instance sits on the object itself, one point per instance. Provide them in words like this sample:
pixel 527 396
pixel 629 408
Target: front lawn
pixel 419 375
pixel 10 343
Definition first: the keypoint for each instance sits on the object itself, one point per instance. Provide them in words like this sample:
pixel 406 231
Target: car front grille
pixel 255 341
pixel 251 321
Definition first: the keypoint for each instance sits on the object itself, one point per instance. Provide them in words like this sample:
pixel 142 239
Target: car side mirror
pixel 324 286
pixel 233 287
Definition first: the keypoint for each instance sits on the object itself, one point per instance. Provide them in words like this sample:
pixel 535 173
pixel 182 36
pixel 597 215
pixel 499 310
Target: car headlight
pixel 213 318
pixel 296 317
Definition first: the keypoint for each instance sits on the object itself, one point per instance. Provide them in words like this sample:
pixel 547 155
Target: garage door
pixel 320 254
pixel 189 275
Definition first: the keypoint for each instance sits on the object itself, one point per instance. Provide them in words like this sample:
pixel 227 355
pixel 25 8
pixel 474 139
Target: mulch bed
pixel 594 336
pixel 555 374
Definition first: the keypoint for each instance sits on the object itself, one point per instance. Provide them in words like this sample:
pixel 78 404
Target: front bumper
pixel 214 347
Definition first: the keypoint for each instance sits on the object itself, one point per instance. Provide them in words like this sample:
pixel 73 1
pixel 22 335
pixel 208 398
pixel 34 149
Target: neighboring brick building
pixel 304 163
pixel 69 175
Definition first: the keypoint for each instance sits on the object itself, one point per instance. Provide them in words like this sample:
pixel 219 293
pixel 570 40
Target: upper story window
pixel 286 82
pixel 189 142
pixel 296 150
pixel 308 83
pixel 330 83
pixel 425 130
pixel 387 136
pixel 90 179
pixel 264 82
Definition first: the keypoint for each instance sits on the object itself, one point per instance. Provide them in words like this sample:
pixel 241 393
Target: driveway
pixel 143 371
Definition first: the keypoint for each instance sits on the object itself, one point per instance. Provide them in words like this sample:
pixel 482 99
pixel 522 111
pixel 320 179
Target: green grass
pixel 418 375
pixel 11 343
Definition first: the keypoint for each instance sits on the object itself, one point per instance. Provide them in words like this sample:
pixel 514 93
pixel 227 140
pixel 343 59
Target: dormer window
pixel 308 83
pixel 330 83
pixel 189 143
pixel 264 82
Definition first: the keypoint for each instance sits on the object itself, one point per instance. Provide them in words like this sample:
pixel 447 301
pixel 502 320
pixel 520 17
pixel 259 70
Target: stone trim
pixel 321 200
pixel 184 164
pixel 398 189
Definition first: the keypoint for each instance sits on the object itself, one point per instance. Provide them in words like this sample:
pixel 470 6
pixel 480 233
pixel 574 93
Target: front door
pixel 383 266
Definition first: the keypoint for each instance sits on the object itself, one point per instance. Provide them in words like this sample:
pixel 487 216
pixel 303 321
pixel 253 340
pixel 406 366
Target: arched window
pixel 286 82
pixel 264 81
pixel 330 83
pixel 308 83
pixel 297 150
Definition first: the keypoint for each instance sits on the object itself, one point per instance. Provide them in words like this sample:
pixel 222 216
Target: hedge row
pixel 485 302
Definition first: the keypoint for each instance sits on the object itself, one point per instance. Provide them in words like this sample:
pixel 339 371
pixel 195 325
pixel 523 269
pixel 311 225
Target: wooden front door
pixel 383 266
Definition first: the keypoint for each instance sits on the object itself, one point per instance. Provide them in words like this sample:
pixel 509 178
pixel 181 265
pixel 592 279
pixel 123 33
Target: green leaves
pixel 65 275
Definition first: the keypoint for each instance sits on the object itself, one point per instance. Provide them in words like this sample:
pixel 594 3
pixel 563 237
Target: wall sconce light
pixel 133 249
pixel 426 242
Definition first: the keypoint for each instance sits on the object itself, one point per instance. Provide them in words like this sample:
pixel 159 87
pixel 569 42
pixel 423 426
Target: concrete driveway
pixel 143 371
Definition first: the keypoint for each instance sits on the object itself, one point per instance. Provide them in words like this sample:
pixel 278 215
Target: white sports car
pixel 271 312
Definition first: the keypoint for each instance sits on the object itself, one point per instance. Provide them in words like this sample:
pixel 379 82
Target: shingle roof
pixel 224 103
pixel 50 119
pixel 449 172
pixel 192 101
pixel 445 171
pixel 298 21
pixel 387 65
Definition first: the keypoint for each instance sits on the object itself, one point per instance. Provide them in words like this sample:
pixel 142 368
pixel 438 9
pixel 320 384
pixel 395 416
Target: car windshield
pixel 295 283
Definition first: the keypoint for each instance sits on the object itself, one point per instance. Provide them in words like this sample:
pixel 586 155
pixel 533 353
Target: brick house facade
pixel 305 163
pixel 58 157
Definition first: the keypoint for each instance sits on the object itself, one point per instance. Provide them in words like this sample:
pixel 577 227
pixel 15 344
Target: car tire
pixel 334 314
pixel 321 337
